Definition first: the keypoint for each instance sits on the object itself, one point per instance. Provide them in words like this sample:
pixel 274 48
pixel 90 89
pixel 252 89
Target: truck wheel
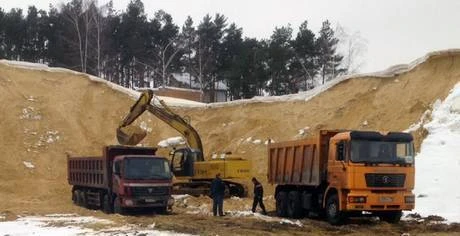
pixel 162 210
pixel 76 195
pixel 392 217
pixel 281 204
pixel 333 213
pixel 117 207
pixel 106 206
pixel 82 199
pixel 294 209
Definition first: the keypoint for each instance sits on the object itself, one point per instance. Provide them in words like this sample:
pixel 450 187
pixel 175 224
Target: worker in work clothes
pixel 217 194
pixel 258 196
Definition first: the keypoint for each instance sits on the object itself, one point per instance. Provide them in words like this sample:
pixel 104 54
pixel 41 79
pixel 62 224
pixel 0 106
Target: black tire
pixel 83 202
pixel 77 197
pixel 117 208
pixel 392 217
pixel 333 214
pixel 74 197
pixel 294 206
pixel 162 210
pixel 106 205
pixel 281 204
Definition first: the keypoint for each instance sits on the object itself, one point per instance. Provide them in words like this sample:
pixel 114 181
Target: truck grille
pixel 149 191
pixel 385 180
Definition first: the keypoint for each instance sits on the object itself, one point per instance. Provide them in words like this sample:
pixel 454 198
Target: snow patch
pixel 171 142
pixel 30 113
pixel 257 141
pixel 145 127
pixel 70 224
pixel 28 164
pixel 438 161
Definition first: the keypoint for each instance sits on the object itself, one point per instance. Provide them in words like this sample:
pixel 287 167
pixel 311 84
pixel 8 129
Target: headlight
pixel 409 199
pixel 357 199
pixel 129 202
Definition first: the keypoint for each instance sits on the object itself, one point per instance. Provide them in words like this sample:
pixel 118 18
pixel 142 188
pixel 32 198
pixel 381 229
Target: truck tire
pixel 281 204
pixel 162 210
pixel 294 208
pixel 83 202
pixel 333 214
pixel 392 217
pixel 106 205
pixel 77 197
pixel 117 208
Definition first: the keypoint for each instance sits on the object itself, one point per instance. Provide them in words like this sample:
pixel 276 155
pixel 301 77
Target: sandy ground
pixel 47 115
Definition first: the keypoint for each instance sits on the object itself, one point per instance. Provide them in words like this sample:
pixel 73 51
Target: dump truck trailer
pixel 122 178
pixel 344 173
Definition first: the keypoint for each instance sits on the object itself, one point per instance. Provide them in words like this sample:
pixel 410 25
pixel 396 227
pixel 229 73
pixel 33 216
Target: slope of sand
pixel 47 115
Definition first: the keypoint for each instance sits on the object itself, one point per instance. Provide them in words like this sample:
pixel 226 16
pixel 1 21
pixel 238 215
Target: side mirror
pixel 341 151
pixel 116 168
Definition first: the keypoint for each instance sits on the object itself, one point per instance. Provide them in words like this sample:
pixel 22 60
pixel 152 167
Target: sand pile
pixel 46 115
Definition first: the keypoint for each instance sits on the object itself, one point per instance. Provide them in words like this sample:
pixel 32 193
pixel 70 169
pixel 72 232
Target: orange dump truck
pixel 344 173
pixel 122 178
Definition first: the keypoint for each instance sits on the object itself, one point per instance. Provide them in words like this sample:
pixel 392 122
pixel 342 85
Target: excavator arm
pixel 130 135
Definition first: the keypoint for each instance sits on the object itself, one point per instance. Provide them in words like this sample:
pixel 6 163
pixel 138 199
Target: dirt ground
pixel 47 115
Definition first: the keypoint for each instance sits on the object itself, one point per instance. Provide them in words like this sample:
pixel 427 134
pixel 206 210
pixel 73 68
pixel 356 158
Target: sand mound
pixel 46 115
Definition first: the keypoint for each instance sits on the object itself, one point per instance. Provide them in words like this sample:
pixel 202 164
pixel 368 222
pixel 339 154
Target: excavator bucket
pixel 130 135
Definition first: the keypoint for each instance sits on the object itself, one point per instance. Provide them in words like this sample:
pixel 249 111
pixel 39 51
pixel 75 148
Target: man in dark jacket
pixel 258 196
pixel 217 194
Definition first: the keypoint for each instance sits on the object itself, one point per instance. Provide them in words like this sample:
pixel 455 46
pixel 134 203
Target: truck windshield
pixel 146 168
pixel 363 151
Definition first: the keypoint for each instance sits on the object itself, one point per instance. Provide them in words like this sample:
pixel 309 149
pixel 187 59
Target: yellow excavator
pixel 193 174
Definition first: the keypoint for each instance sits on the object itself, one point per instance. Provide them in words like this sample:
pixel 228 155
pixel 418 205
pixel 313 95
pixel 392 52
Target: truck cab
pixel 141 181
pixel 370 171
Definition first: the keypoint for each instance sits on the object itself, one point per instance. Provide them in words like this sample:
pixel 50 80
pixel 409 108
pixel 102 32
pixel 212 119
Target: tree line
pixel 132 50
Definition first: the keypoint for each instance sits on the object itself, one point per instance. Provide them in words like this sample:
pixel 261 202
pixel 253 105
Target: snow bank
pixel 171 142
pixel 307 95
pixel 175 102
pixel 302 96
pixel 263 217
pixel 438 163
pixel 69 224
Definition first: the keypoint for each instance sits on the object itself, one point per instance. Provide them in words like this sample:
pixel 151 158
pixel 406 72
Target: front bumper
pixel 144 202
pixel 380 201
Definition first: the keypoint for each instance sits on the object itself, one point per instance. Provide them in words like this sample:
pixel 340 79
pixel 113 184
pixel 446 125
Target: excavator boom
pixel 132 135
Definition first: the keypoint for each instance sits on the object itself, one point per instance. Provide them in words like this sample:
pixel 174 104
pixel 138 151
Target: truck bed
pixel 95 172
pixel 299 162
pixel 87 171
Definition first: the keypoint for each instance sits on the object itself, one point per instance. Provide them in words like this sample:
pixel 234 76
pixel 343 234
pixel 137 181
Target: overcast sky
pixel 397 31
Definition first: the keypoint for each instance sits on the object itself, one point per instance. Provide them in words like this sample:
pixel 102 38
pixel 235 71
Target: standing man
pixel 258 196
pixel 217 194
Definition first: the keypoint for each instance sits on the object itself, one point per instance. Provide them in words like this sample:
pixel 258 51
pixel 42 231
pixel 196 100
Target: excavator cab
pixel 183 159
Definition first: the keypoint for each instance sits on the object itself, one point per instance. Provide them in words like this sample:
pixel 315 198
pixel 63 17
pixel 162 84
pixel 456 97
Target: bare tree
pixel 98 16
pixel 174 45
pixel 72 12
pixel 353 46
pixel 78 14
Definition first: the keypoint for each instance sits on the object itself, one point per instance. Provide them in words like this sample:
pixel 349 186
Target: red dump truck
pixel 122 178
pixel 344 173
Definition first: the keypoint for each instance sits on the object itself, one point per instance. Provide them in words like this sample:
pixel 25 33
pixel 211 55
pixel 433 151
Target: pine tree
pixel 328 59
pixel 305 64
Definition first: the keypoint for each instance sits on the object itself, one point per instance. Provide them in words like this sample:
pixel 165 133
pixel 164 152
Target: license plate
pixel 386 199
pixel 150 200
